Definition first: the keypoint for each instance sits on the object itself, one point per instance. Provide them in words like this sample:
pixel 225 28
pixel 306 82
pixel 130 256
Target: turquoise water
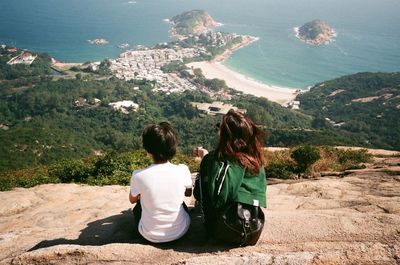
pixel 368 32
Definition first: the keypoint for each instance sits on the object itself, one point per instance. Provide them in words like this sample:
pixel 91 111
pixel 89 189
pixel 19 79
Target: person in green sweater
pixel 231 181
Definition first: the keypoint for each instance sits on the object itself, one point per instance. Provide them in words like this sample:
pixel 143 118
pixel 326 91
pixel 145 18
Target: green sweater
pixel 230 182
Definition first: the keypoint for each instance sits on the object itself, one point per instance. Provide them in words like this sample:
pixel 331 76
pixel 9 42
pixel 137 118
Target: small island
pixel 98 41
pixel 315 32
pixel 123 45
pixel 192 22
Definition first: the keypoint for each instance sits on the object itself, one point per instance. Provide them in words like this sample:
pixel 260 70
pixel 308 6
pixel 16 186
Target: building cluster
pixel 147 63
pixel 124 106
pixel 8 49
pixel 4 127
pixel 82 102
pixel 294 104
pixel 215 39
pixel 23 58
pixel 335 124
pixel 216 108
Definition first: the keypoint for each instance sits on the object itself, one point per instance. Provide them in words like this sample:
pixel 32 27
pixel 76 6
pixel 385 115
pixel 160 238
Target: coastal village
pixel 147 63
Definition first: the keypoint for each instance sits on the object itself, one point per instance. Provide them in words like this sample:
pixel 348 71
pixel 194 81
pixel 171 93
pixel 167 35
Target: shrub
pixel 305 156
pixel 72 170
pixel 277 156
pixel 25 178
pixel 116 169
pixel 190 161
pixel 138 159
pixel 351 159
pixel 279 170
pixel 111 162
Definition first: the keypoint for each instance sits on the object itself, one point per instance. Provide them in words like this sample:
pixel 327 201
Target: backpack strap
pixel 226 179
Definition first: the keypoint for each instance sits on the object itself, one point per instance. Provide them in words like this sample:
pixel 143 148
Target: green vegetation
pixel 305 156
pixel 41 66
pixel 174 66
pixel 352 159
pixel 116 168
pixel 364 107
pixel 50 126
pixel 46 119
pixel 110 169
pixel 279 170
pixel 311 161
pixel 214 43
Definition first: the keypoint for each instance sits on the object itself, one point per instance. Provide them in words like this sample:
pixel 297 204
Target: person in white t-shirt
pixel 159 190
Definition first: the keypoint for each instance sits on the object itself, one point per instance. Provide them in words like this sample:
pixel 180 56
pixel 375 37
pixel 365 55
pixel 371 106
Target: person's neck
pixel 160 162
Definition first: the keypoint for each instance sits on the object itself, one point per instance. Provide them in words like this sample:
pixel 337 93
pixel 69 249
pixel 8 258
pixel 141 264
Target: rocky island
pixel 192 22
pixel 98 41
pixel 315 32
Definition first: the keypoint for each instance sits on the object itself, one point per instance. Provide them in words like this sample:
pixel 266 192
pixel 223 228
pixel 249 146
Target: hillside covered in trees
pixel 47 117
pixel 363 104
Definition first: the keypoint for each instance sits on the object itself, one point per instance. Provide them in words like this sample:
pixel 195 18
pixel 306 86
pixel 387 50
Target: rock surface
pixel 350 220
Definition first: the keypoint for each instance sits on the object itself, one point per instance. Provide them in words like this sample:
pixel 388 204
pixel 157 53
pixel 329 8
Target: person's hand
pixel 200 152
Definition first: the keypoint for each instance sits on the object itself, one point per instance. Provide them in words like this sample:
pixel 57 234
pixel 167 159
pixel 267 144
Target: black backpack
pixel 239 224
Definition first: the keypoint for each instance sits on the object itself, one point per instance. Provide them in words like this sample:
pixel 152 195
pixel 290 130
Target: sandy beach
pixel 63 66
pixel 240 82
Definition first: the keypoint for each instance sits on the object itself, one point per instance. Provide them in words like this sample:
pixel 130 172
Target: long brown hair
pixel 241 141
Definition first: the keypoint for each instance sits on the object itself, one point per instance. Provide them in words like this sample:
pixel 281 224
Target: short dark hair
pixel 160 141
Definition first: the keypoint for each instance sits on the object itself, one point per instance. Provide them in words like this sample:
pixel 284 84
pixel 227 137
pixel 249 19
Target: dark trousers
pixel 137 214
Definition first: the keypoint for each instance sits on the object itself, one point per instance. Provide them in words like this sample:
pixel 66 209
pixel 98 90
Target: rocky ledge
pixel 330 220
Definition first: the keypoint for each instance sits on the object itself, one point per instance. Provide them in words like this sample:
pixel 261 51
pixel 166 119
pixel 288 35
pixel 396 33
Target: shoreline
pixel 240 82
pixel 243 83
pixel 235 80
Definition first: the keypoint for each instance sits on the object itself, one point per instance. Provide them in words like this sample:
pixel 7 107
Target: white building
pixel 124 106
pixel 216 107
pixel 24 58
pixel 294 104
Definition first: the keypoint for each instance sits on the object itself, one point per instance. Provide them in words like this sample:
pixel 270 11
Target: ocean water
pixel 368 33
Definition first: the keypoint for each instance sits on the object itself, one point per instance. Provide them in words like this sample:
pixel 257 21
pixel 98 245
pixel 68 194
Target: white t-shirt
pixel 162 190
